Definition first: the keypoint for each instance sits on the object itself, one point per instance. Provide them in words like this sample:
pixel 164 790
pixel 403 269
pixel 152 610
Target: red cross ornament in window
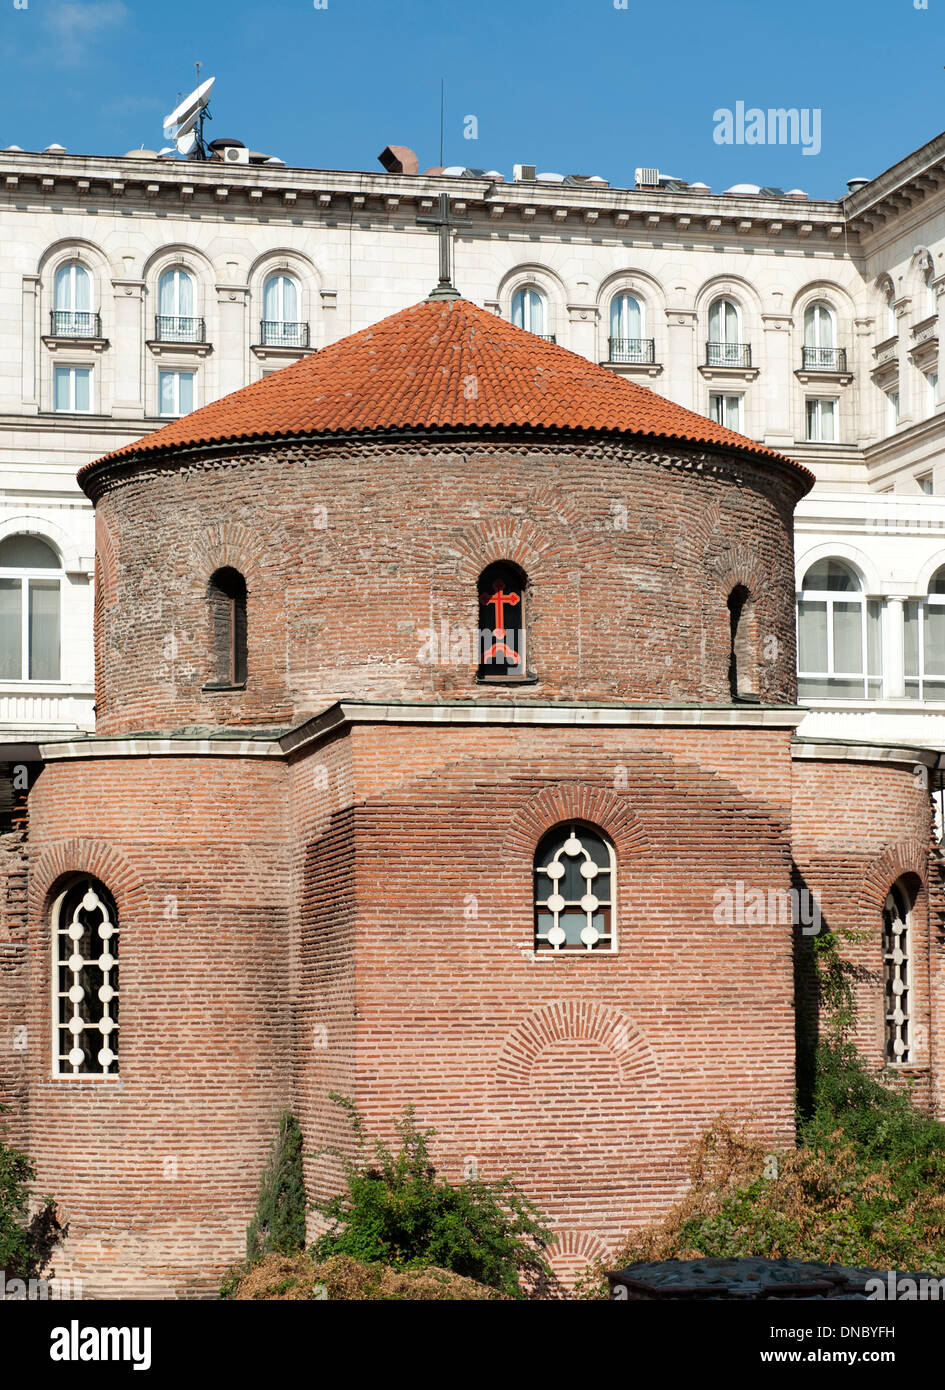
pixel 500 596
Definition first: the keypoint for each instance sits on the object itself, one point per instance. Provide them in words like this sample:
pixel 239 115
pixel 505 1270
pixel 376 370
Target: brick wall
pixel 587 1076
pixel 157 1171
pixel 631 556
pixel 859 826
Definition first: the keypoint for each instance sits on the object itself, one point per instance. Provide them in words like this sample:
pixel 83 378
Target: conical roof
pixel 441 364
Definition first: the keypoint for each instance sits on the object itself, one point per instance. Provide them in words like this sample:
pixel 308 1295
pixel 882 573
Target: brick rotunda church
pixel 445 688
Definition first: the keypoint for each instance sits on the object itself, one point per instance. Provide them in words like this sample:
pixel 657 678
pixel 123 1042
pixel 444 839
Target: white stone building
pixel 135 288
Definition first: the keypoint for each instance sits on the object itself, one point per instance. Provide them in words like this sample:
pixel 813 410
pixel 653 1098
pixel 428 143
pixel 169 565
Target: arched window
pixel 839 635
pixel 501 635
pixel 820 339
pixel 924 642
pixel 176 319
pixel 742 666
pixel 931 303
pixel 897 974
pixel 85 988
pixel 281 323
pixel 575 891
pixel 627 343
pixel 72 315
pixel 725 348
pixel 528 311
pixel 30 606
pixel 227 600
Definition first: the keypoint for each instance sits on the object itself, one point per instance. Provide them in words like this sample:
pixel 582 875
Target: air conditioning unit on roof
pixel 524 173
pixel 647 178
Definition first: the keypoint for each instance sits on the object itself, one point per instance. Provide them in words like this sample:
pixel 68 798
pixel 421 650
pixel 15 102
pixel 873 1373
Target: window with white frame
pixel 528 310
pixel 30 610
pixel 575 891
pixel 821 420
pixel 726 410
pixel 897 972
pixel 926 483
pixel 931 391
pixel 924 642
pixel 931 305
pixel 839 636
pixel 176 320
pixel 175 392
pixel 820 338
pixel 72 390
pixel 892 409
pixel 85 981
pixel 725 348
pixel 72 303
pixel 627 343
pixel 281 321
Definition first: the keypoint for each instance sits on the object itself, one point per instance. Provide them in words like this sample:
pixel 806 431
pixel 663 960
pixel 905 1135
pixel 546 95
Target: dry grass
pixel 286 1277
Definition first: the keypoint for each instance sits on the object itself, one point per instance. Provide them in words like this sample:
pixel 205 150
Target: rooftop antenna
pixel 185 123
pixel 442 95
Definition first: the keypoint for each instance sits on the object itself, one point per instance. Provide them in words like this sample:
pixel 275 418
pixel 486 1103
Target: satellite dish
pixel 186 144
pixel 185 116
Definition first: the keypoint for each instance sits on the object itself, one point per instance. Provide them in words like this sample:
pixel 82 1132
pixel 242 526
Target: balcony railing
pixel 172 328
pixel 75 323
pixel 824 359
pixel 632 350
pixel 547 337
pixel 728 354
pixel 283 333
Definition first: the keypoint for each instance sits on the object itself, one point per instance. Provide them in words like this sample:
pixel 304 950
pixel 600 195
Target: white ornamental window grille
pixel 897 945
pixel 575 891
pixel 85 984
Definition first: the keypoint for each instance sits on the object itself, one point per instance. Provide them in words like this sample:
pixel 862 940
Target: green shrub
pixel 398 1211
pixel 864 1187
pixel 278 1225
pixel 26 1241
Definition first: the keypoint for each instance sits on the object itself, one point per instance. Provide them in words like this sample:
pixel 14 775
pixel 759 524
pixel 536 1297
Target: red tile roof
pixel 443 363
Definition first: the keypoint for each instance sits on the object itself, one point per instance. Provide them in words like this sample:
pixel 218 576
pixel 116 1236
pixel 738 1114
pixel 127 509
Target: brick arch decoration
pixel 522 540
pixel 907 857
pixel 230 545
pixel 572 1020
pixel 79 855
pixel 578 801
pixel 572 1250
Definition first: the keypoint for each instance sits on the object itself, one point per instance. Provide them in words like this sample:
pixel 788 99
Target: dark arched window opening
pixel 501 636
pixel 742 666
pixel 227 599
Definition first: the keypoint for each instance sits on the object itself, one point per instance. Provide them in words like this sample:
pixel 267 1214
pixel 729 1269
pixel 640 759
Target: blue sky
pixel 575 86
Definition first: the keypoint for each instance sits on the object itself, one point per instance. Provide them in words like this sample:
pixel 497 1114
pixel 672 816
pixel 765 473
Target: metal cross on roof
pixel 445 224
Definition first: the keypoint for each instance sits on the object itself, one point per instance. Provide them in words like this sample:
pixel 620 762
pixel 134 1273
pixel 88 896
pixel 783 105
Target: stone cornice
pixel 186 184
pixel 535 715
pixel 805 749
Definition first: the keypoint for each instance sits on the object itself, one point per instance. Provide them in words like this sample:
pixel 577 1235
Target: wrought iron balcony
pixel 728 354
pixel 283 333
pixel 632 350
pixel 75 323
pixel 824 359
pixel 172 328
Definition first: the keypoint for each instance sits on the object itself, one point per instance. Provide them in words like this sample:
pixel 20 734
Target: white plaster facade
pixel 350 244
